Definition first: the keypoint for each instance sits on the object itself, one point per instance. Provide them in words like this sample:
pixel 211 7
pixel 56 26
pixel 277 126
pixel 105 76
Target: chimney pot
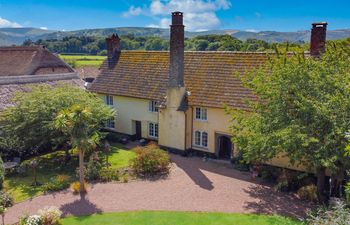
pixel 318 39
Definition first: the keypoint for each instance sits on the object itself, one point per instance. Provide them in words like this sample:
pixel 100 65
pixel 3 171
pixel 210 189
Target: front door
pixel 225 147
pixel 138 130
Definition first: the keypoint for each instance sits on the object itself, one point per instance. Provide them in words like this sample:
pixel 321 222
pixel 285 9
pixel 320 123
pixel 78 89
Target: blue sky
pixel 254 15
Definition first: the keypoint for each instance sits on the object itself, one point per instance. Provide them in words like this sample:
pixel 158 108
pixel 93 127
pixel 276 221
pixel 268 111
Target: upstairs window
pixel 109 99
pixel 153 106
pixel 153 130
pixel 201 139
pixel 201 114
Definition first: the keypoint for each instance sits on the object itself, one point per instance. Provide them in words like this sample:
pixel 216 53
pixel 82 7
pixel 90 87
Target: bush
pixel 113 137
pixel 93 169
pixel 347 192
pixel 31 220
pixel 337 215
pixel 109 174
pixel 75 187
pixel 57 183
pixel 270 173
pixel 150 160
pixel 50 215
pixel 2 174
pixel 308 192
pixel 6 200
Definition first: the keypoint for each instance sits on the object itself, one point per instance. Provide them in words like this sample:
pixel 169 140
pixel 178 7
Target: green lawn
pixel 50 165
pixel 83 60
pixel 178 218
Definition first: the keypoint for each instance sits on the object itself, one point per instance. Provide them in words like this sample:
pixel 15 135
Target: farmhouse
pixel 178 98
pixel 20 66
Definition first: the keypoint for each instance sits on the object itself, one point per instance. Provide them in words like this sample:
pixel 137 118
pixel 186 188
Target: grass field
pixel 178 218
pixel 77 61
pixel 50 165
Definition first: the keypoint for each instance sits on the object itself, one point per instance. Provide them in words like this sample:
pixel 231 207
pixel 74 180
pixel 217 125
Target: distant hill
pixel 16 36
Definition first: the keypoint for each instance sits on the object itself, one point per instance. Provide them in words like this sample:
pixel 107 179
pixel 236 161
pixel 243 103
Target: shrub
pixel 336 215
pixel 150 160
pixel 347 192
pixel 109 174
pixel 270 173
pixel 57 183
pixel 33 220
pixel 6 200
pixel 75 187
pixel 308 192
pixel 113 137
pixel 50 215
pixel 2 174
pixel 93 169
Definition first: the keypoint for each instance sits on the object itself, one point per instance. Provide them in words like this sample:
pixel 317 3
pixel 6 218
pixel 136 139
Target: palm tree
pixel 79 123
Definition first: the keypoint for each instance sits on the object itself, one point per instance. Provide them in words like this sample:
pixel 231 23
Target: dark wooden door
pixel 138 129
pixel 225 147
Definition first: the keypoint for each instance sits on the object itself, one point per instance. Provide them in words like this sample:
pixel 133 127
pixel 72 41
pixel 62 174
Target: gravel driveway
pixel 193 185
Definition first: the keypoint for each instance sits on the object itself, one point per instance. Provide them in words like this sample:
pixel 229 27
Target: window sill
pixel 199 120
pixel 201 147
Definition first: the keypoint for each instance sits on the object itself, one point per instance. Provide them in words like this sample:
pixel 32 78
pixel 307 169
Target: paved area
pixel 193 185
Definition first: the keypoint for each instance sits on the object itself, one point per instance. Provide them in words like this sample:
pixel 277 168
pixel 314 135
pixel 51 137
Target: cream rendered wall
pixel 131 109
pixel 218 122
pixel 172 123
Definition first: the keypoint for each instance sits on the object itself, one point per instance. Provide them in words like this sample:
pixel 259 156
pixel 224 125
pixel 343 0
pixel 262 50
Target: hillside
pixel 15 36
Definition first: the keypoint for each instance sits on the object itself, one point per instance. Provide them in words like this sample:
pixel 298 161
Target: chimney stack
pixel 113 49
pixel 177 48
pixel 318 39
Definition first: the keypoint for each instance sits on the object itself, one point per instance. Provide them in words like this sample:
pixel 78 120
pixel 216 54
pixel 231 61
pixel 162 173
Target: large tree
pixel 28 126
pixel 303 112
pixel 82 126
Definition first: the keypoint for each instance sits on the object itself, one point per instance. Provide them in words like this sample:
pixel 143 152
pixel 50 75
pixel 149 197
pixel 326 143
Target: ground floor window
pixel 201 138
pixel 110 123
pixel 153 130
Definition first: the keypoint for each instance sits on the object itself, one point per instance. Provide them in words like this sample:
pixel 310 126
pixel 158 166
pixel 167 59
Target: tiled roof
pixel 209 76
pixel 23 60
pixel 88 72
pixel 8 91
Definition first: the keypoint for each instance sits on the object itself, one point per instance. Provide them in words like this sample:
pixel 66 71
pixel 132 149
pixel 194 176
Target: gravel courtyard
pixel 193 185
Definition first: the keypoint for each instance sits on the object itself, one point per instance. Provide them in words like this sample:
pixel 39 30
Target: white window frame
pixel 203 114
pixel 109 100
pixel 200 140
pixel 152 106
pixel 153 130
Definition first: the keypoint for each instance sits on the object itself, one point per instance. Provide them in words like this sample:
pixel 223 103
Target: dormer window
pixel 201 114
pixel 153 106
pixel 109 99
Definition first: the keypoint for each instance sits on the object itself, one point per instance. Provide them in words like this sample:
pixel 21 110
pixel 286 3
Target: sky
pixel 199 15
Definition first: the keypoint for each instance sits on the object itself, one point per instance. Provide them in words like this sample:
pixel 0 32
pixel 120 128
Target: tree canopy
pixel 28 127
pixel 97 46
pixel 303 111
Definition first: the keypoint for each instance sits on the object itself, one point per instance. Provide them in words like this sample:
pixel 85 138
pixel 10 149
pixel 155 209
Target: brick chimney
pixel 318 39
pixel 177 48
pixel 113 49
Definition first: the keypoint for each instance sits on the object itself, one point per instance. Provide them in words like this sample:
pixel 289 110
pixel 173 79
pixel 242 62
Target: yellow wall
pixel 131 109
pixel 173 122
pixel 218 122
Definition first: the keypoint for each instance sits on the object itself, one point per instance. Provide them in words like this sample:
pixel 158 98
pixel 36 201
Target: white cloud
pixel 43 28
pixel 252 30
pixel 133 11
pixel 199 15
pixel 7 23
